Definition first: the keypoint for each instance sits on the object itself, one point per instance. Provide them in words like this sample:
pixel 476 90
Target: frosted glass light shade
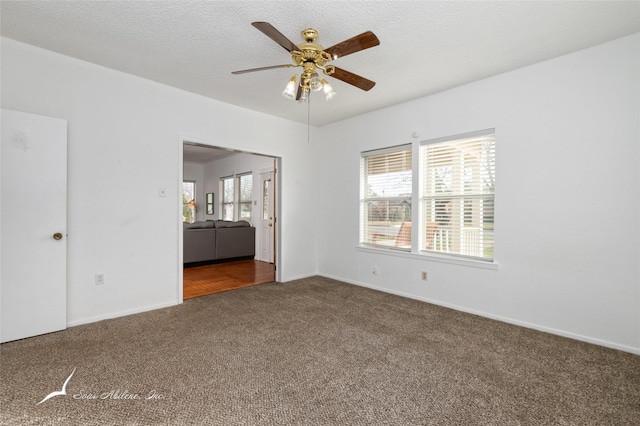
pixel 328 90
pixel 289 91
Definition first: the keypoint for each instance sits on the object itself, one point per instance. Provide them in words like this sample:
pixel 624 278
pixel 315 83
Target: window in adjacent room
pixel 189 201
pixel 228 197
pixel 237 197
pixel 245 196
pixel 385 197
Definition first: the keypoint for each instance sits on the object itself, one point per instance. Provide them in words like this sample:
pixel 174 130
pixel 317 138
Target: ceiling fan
pixel 312 57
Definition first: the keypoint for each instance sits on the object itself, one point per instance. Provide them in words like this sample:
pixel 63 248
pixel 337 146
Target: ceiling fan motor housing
pixel 310 51
pixel 311 56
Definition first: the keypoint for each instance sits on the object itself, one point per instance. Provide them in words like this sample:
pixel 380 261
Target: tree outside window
pixel 245 196
pixel 189 201
pixel 228 197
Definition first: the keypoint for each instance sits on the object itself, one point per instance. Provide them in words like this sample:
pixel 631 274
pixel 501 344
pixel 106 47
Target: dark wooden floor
pixel 209 279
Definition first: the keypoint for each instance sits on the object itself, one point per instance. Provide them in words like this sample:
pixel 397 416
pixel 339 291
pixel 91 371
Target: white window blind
pixel 385 197
pixel 457 195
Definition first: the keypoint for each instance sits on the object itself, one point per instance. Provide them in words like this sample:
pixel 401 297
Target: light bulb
pixel 289 91
pixel 305 95
pixel 328 90
pixel 315 83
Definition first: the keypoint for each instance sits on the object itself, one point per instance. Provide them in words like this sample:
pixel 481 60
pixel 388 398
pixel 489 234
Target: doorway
pixel 212 168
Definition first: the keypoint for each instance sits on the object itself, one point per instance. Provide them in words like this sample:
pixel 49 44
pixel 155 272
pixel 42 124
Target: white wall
pixel 237 164
pixel 124 143
pixel 567 196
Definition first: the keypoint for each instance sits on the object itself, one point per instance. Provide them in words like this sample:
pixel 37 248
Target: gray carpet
pixel 314 352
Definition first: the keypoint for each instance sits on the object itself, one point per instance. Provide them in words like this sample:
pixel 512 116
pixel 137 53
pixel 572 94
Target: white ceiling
pixel 204 154
pixel 426 46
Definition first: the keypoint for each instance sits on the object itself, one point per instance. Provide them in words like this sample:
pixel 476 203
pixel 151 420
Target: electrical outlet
pixel 375 271
pixel 424 275
pixel 99 279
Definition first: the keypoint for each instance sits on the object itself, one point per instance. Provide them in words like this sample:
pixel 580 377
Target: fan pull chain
pixel 309 119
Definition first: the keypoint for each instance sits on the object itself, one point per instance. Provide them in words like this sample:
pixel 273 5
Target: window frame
pixel 401 202
pixel 223 200
pixel 469 199
pixel 236 202
pixel 242 201
pixel 417 250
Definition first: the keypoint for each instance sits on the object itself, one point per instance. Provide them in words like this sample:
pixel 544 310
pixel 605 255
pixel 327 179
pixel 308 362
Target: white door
pixel 33 225
pixel 267 216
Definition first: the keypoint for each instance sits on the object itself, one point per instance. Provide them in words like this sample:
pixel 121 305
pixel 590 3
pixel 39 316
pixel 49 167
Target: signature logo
pixel 62 391
pixel 113 394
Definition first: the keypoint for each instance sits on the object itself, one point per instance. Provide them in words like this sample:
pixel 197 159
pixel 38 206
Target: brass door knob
pixel 57 236
pixel 270 224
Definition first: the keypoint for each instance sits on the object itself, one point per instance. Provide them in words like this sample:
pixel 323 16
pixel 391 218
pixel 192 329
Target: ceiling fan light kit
pixel 312 57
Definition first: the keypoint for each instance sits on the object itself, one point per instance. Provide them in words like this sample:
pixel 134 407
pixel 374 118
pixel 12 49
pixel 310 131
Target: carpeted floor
pixel 313 352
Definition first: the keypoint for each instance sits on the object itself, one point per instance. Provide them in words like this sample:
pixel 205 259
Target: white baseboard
pixel 112 315
pixel 300 277
pixel 537 327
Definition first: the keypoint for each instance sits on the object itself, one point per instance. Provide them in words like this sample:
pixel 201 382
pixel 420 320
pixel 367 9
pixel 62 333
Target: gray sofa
pixel 211 240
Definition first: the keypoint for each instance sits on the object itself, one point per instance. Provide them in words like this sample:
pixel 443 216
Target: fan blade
pixel 353 79
pixel 262 68
pixel 275 35
pixel 353 45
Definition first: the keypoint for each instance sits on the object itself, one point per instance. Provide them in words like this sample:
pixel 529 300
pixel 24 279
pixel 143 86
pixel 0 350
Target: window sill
pixel 431 257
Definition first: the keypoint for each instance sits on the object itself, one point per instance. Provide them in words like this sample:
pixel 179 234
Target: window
pixel 188 201
pixel 457 195
pixel 385 197
pixel 245 196
pixel 265 199
pixel 237 197
pixel 227 199
pixel 454 194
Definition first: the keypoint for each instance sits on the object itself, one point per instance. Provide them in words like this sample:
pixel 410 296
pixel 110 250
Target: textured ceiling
pixel 426 46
